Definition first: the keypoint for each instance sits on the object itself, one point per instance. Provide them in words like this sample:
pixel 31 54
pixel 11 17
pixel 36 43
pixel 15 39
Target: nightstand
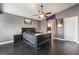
pixel 17 38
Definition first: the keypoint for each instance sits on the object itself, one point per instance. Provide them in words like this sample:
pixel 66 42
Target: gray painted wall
pixel 11 24
pixel 43 26
pixel 70 12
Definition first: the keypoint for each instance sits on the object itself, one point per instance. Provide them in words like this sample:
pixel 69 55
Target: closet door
pixel 71 29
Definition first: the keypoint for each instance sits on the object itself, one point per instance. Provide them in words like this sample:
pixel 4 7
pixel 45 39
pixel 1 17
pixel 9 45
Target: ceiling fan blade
pixel 45 15
pixel 48 13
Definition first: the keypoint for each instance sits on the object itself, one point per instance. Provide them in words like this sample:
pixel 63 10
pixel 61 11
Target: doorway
pixel 52 28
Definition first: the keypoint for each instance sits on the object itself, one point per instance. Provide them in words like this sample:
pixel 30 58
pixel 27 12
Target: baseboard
pixel 77 42
pixel 59 39
pixel 6 42
pixel 66 40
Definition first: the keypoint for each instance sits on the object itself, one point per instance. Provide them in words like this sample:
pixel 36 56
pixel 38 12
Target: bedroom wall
pixel 43 26
pixel 11 24
pixel 70 12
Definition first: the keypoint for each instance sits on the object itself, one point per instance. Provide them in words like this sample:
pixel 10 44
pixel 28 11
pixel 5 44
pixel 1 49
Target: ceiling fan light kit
pixel 42 13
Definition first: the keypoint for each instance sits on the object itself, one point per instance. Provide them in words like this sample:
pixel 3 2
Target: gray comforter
pixel 38 38
pixel 29 37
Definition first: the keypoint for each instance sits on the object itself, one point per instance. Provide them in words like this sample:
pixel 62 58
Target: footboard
pixel 44 38
pixel 36 41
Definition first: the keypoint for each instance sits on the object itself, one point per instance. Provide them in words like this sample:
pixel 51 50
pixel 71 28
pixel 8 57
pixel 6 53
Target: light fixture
pixel 41 15
pixel 60 24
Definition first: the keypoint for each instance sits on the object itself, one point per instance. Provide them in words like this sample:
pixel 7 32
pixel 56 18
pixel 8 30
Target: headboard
pixel 29 29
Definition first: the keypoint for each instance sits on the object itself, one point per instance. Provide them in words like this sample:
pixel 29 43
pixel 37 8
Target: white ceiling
pixel 30 9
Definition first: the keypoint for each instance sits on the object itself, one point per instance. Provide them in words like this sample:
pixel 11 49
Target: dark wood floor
pixel 56 48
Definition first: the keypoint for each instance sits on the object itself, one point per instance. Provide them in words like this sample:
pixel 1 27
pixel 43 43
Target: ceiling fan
pixel 41 13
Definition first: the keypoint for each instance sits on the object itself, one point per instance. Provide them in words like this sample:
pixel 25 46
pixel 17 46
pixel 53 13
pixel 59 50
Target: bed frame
pixel 29 29
pixel 41 39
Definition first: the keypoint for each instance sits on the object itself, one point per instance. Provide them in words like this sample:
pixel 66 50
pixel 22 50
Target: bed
pixel 35 39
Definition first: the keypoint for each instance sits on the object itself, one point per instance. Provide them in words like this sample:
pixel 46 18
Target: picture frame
pixel 27 21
